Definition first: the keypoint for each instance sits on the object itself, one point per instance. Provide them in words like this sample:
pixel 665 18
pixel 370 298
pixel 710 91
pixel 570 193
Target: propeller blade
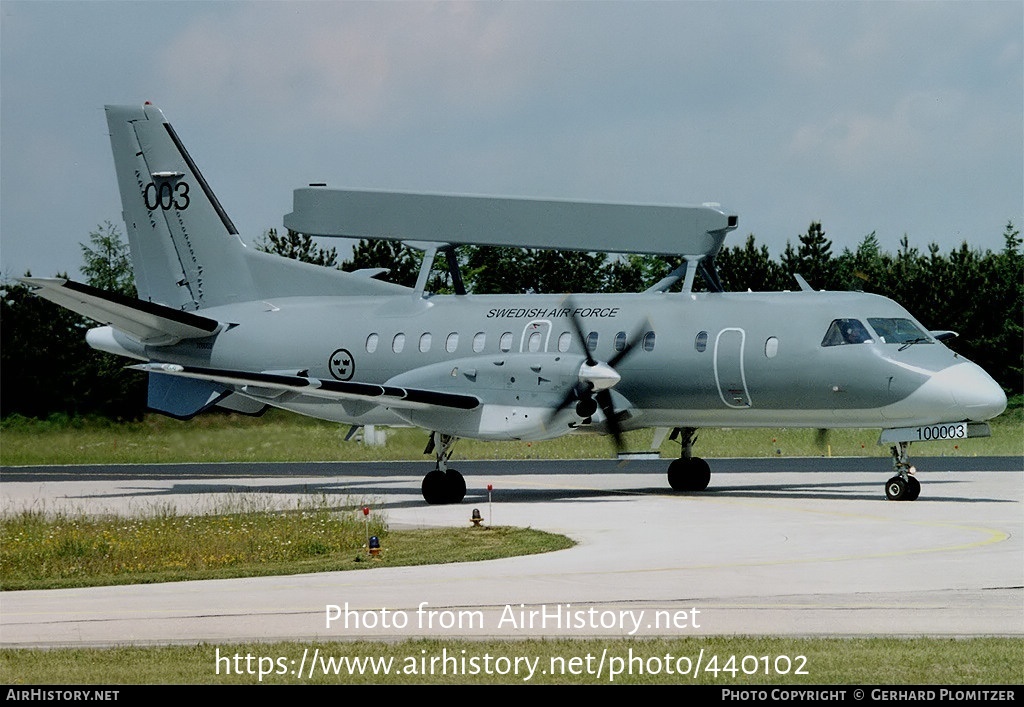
pixel 631 343
pixel 581 337
pixel 604 400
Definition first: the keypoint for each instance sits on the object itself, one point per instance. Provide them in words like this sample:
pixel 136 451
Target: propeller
pixel 596 379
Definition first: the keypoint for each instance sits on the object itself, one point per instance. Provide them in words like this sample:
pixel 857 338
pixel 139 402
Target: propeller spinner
pixel 596 379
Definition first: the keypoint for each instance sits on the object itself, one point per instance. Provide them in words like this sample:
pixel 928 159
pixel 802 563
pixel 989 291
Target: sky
pixel 898 118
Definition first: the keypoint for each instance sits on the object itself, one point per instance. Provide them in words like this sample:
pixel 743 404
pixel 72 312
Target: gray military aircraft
pixel 220 324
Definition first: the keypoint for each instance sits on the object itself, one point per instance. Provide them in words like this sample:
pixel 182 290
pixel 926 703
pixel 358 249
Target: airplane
pixel 219 324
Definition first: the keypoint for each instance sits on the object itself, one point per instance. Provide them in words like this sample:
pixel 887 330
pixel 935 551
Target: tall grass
pixel 37 547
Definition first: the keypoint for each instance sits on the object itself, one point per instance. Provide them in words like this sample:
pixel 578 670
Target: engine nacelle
pixel 522 392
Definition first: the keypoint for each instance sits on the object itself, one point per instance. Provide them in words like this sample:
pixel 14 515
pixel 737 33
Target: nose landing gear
pixel 903 486
pixel 688 473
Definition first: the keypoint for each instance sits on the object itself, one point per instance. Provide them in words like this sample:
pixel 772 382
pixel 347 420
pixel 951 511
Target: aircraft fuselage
pixel 713 359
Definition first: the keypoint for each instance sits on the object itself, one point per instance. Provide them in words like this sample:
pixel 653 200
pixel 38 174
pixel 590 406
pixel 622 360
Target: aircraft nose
pixel 976 394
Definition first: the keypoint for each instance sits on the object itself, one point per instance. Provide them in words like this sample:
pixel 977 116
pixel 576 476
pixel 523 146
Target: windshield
pixel 898 331
pixel 846 331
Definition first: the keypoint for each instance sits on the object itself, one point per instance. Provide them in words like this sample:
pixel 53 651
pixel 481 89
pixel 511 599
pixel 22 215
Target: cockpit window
pixel 846 331
pixel 898 331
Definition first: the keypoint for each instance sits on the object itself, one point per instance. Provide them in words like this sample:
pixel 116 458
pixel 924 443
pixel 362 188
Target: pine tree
pixel 298 246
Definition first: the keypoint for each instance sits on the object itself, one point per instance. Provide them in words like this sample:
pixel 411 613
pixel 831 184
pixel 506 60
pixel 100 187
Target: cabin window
pixel 398 343
pixel 620 341
pixel 846 331
pixel 479 341
pixel 425 342
pixel 505 343
pixel 898 331
pixel 371 343
pixel 649 341
pixel 701 342
pixel 564 341
pixel 771 347
pixel 452 342
pixel 592 341
pixel 533 343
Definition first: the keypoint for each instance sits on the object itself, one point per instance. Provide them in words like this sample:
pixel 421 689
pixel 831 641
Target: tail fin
pixel 186 252
pixel 178 232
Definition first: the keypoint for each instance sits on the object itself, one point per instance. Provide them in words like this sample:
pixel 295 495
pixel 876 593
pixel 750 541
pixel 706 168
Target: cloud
pixel 351 64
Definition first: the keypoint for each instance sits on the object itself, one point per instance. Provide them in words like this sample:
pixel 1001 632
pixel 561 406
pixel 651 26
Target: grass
pixel 283 437
pixel 39 550
pixel 829 661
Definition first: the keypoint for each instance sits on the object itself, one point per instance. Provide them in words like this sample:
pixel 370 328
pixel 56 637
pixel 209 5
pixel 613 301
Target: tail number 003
pixel 166 196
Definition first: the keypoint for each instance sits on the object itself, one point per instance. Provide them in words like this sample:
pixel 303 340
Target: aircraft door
pixel 535 336
pixel 729 375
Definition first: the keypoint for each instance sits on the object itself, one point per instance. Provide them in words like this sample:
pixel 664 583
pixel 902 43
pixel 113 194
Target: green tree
pixel 108 264
pixel 812 258
pixel 46 367
pixel 297 246
pixel 748 267
pixel 401 261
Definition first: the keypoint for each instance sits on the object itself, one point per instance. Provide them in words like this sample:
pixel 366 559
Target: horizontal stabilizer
pixel 150 323
pixel 272 384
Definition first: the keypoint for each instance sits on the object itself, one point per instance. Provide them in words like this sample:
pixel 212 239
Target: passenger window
pixel 452 342
pixel 505 343
pixel 564 341
pixel 533 343
pixel 371 343
pixel 701 342
pixel 398 343
pixel 649 341
pixel 479 341
pixel 846 331
pixel 425 342
pixel 771 347
pixel 620 341
pixel 592 341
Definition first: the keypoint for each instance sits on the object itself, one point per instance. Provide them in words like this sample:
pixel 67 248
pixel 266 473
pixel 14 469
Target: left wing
pixel 270 384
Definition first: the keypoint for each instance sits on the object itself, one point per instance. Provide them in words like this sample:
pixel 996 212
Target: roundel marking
pixel 341 365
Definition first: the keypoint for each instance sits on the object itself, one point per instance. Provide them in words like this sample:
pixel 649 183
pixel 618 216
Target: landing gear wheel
pixel 913 489
pixel 435 487
pixel 456 486
pixel 896 489
pixel 691 474
pixel 442 487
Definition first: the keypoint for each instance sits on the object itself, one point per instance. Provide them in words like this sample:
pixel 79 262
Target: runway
pixel 774 547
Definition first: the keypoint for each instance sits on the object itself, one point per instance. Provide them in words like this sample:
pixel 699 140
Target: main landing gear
pixel 688 473
pixel 903 486
pixel 442 485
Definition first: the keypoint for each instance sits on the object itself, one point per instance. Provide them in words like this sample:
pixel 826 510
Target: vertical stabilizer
pixel 185 250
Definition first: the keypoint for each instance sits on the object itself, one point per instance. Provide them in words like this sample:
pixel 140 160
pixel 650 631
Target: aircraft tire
pixel 913 489
pixel 691 474
pixel 435 488
pixel 896 489
pixel 456 486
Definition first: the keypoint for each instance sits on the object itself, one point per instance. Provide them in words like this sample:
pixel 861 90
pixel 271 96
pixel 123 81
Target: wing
pixel 272 384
